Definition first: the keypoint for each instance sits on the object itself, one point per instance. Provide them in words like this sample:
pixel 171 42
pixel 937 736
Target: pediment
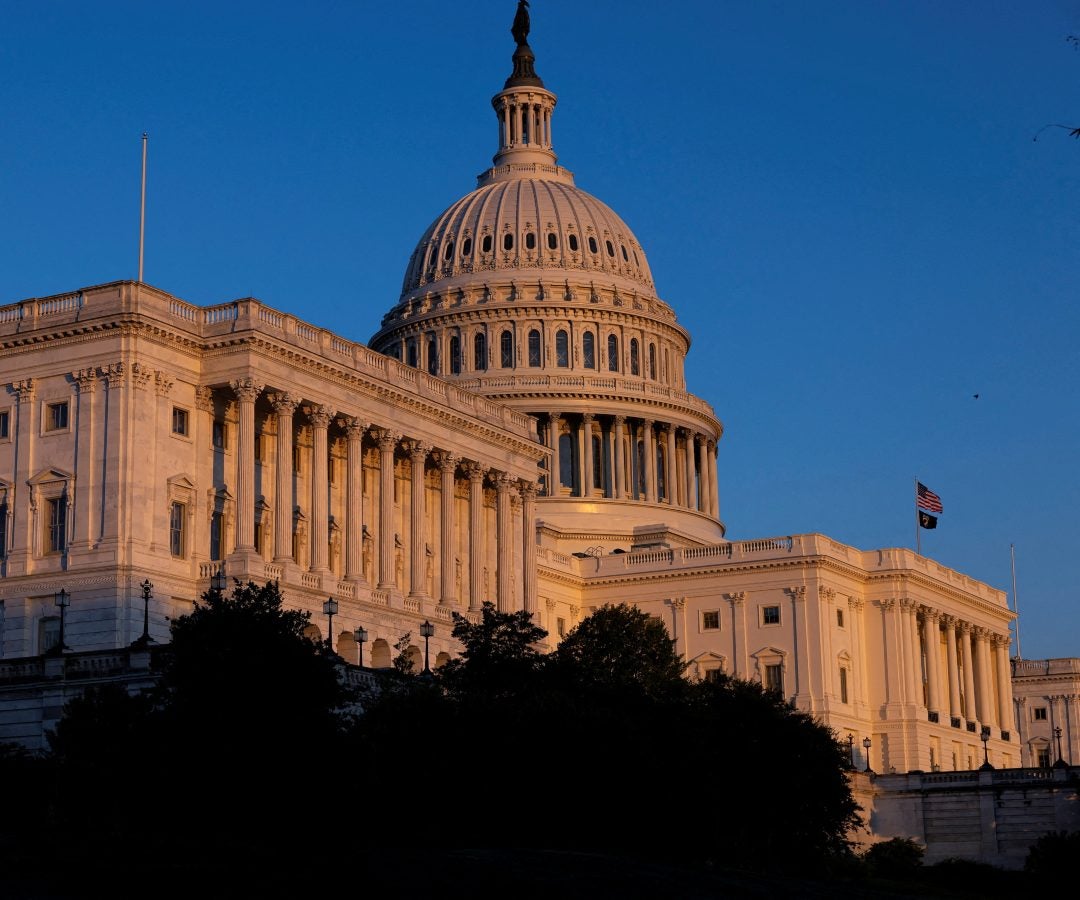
pixel 182 481
pixel 768 651
pixel 49 476
pixel 708 657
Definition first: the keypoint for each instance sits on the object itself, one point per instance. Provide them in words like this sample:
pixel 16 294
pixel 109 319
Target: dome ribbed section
pixel 540 227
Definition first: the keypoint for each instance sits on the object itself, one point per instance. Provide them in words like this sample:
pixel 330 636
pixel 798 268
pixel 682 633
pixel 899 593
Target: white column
pixel 387 441
pixel 476 534
pixel 912 669
pixel 319 417
pixel 985 685
pixel 418 453
pixel 650 461
pixel 581 459
pixel 970 710
pixel 555 479
pixel 691 481
pixel 354 499
pixel 284 406
pixel 954 673
pixel 895 676
pixel 1005 701
pixel 703 477
pixel 931 640
pixel 448 463
pixel 246 390
pixel 528 550
pixel 671 487
pixel 620 461
pixel 504 485
pixel 714 486
pixel 588 488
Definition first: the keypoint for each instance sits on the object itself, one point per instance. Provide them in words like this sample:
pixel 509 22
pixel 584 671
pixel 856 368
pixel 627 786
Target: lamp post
pixel 984 736
pixel 427 630
pixel 361 638
pixel 63 600
pixel 147 593
pixel 217 580
pixel 851 749
pixel 866 742
pixel 330 608
pixel 1060 764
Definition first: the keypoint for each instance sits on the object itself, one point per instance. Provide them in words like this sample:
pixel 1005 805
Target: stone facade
pixel 1047 693
pixel 519 431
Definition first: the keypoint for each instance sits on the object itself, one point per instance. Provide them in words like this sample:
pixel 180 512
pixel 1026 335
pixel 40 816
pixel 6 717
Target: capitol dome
pixel 532 292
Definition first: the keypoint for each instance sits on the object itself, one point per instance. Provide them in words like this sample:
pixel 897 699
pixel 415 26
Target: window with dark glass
pixel 710 620
pixel 843 685
pixel 624 255
pixel 56 416
pixel 1040 713
pixel 508 241
pixel 774 678
pixel 770 615
pixel 562 350
pixel 612 353
pixel 553 241
pixel 572 241
pixel 176 529
pixel 534 348
pixel 610 248
pixel 466 246
pixel 217 434
pixel 3 529
pixel 179 421
pixel 1043 757
pixel 530 240
pixel 506 350
pixel 57 527
pixel 840 618
pixel 433 356
pixel 592 245
pixel 652 361
pixel 215 535
pixel 597 462
pixel 455 355
pixel 48 633
pixel 480 353
pixel 485 245
pixel 635 361
pixel 588 350
pixel 5 424
pixel 448 253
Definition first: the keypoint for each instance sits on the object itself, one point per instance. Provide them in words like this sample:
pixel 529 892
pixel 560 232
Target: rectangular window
pixel 176 529
pixel 1043 757
pixel 297 455
pixel 774 678
pixel 560 627
pixel 714 674
pixel 3 532
pixel 48 633
pixel 258 447
pixel 179 421
pixel 770 615
pixel 56 416
pixel 710 620
pixel 843 685
pixel 1040 713
pixel 217 434
pixel 57 525
pixel 839 618
pixel 215 536
pixel 5 424
pixel 258 537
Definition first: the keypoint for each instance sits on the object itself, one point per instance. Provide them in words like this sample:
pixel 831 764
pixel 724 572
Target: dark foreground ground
pixel 404 874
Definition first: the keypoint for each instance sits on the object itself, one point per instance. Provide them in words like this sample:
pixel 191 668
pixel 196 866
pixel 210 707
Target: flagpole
pixel 918 538
pixel 142 208
pixel 1016 604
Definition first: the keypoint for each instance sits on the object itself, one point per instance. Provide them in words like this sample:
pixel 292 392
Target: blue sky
pixel 843 202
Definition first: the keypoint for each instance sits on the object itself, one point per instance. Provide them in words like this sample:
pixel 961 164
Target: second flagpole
pixel 918 537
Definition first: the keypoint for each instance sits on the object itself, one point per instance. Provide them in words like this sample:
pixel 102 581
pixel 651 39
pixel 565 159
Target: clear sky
pixel 842 201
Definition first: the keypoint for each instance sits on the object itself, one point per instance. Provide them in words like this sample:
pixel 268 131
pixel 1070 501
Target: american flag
pixel 926 498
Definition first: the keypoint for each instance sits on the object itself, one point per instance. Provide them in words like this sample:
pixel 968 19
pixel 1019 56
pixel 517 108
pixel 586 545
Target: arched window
pixel 433 259
pixel 572 241
pixel 448 253
pixel 567 460
pixel 466 246
pixel 592 245
pixel 635 357
pixel 553 241
pixel 652 361
pixel 411 353
pixel 610 249
pixel 534 349
pixel 455 355
pixel 433 355
pixel 485 245
pixel 588 350
pixel 530 240
pixel 480 352
pixel 624 256
pixel 612 353
pixel 506 350
pixel 508 241
pixel 562 350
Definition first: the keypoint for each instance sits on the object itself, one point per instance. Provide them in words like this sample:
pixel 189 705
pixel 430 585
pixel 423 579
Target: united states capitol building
pixel 519 430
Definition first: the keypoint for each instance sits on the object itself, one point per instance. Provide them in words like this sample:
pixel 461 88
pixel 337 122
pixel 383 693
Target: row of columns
pixel 319 417
pixel 689 459
pixel 968 690
pixel 528 124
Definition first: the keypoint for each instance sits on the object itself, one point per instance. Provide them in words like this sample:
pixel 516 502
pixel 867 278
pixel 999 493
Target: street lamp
pixel 866 742
pixel 63 600
pixel 427 630
pixel 851 749
pixel 147 593
pixel 361 638
pixel 1060 764
pixel 330 608
pixel 218 581
pixel 984 736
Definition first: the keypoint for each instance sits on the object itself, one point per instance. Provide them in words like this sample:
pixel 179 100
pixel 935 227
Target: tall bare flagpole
pixel 1016 603
pixel 142 207
pixel 918 537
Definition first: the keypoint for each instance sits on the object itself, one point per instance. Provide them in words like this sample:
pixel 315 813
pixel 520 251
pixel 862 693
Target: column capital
pixel 550 604
pixel 648 423
pixel 909 604
pixel 140 375
pixel 353 427
pixel 796 592
pixel 529 489
pixel 854 602
pixel 204 397
pixel 887 603
pixel 826 593
pixel 385 438
pixel 620 421
pixel 966 628
pixel 504 481
pixel 587 418
pixel 476 471
pixel 929 613
pixel 163 382
pixel 246 389
pixel 284 403
pixel 24 390
pixel 678 603
pixel 115 374
pixel 446 459
pixel 85 380
pixel 320 415
pixel 554 415
pixel 737 598
pixel 948 620
pixel 418 451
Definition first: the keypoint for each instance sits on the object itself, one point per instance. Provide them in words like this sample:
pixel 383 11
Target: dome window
pixel 553 241
pixel 449 252
pixel 635 357
pixel 572 241
pixel 562 350
pixel 506 350
pixel 433 355
pixel 652 361
pixel 637 262
pixel 466 247
pixel 530 240
pixel 610 249
pixel 411 359
pixel 625 256
pixel 612 353
pixel 588 350
pixel 455 355
pixel 480 353
pixel 592 245
pixel 534 349
pixel 508 242
pixel 485 245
